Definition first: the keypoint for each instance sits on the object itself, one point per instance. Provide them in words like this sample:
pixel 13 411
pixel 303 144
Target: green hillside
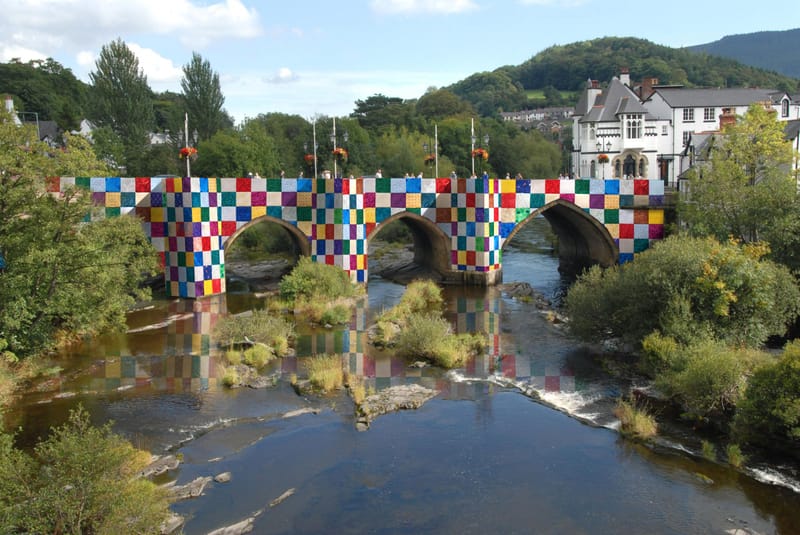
pixel 568 67
pixel 775 51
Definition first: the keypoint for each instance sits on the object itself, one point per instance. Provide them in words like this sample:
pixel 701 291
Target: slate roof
pixel 706 98
pixel 616 99
pixel 792 129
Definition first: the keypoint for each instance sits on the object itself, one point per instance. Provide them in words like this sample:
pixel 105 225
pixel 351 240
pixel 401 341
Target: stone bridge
pixel 459 225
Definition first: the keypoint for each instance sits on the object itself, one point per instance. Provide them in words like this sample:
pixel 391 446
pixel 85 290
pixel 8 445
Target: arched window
pixel 617 168
pixel 633 127
pixel 629 167
pixel 642 168
pixel 592 169
pixel 784 108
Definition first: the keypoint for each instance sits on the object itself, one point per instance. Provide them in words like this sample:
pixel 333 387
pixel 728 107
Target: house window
pixel 664 130
pixel 688 114
pixel 633 127
pixel 708 114
pixel 591 133
pixel 784 108
pixel 687 136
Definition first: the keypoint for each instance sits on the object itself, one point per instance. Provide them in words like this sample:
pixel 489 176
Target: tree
pixel 696 288
pixel 746 189
pixel 61 274
pixel 82 479
pixel 121 98
pixel 203 98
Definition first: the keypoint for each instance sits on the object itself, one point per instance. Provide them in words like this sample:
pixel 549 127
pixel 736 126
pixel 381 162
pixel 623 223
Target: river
pixel 522 440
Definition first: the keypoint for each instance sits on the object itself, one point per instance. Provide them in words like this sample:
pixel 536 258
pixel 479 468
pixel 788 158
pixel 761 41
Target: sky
pixel 318 57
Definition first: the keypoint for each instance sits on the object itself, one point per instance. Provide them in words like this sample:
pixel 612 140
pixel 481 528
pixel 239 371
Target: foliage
pixel 707 377
pixel 746 189
pixel 62 273
pixel 121 99
pixel 695 288
pixel 313 281
pixel 567 67
pixel 258 355
pixel 262 239
pixel 769 412
pixel 635 421
pixel 378 113
pixel 357 388
pixel 203 97
pixel 46 88
pixel 230 377
pixel 325 372
pixel 491 92
pixel 416 329
pixel 442 103
pixel 260 327
pixel 80 480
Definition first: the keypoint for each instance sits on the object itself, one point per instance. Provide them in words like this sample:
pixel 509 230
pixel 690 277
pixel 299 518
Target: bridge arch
pixel 432 246
pixel 582 240
pixel 301 242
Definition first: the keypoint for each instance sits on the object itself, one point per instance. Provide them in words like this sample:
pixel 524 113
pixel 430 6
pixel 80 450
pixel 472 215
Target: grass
pixel 708 450
pixel 735 456
pixel 261 327
pixel 230 376
pixel 635 422
pixel 325 372
pixel 358 390
pixel 258 356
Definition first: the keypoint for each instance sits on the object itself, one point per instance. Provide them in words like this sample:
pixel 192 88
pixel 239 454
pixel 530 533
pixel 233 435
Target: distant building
pixel 552 118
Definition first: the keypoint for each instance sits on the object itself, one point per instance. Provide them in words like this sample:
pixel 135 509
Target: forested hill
pixel 776 51
pixel 568 67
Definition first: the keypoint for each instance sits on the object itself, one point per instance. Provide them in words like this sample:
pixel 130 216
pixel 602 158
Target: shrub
pixel 358 390
pixel 769 411
pixel 258 356
pixel 710 380
pixel 635 421
pixel 80 480
pixel 430 337
pixel 233 356
pixel 696 288
pixel 259 327
pixel 325 372
pixel 230 377
pixel 312 280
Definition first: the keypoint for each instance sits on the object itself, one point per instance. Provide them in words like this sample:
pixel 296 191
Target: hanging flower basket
pixel 187 152
pixel 480 153
pixel 429 159
pixel 603 158
pixel 309 158
pixel 340 153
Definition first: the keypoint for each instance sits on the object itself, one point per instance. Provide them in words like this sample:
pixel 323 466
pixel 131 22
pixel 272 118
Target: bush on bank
pixel 82 479
pixel 688 289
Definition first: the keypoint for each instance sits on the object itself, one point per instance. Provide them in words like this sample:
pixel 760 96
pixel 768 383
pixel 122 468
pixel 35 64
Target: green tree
pixel 440 103
pixel 122 100
pixel 746 189
pixel 696 288
pixel 61 273
pixel 203 98
pixel 769 414
pixel 82 479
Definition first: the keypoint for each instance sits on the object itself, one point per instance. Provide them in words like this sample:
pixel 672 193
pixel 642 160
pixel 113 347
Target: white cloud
pixel 49 27
pixel 155 66
pixel 284 75
pixel 423 6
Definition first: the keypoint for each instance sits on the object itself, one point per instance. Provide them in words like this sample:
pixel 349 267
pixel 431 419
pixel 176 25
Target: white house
pixel 614 135
pixel 654 133
pixel 695 113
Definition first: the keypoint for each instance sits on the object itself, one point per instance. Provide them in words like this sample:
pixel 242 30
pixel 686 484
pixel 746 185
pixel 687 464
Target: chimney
pixel 727 118
pixel 647 87
pixel 592 92
pixel 625 76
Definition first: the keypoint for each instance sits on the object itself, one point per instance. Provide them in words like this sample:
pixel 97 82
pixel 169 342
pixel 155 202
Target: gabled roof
pixel 615 100
pixel 715 97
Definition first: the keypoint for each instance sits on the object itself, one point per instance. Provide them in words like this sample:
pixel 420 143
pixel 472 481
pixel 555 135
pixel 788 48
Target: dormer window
pixel 633 126
pixel 785 108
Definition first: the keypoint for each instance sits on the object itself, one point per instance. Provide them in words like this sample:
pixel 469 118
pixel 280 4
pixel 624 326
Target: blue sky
pixel 317 57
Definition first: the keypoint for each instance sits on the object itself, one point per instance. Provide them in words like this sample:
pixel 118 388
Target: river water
pixel 522 440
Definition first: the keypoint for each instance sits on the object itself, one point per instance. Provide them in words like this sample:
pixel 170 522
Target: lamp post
pixel 333 141
pixel 185 135
pixel 600 147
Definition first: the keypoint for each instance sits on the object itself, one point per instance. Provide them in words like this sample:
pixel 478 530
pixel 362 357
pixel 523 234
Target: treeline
pixel 769 50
